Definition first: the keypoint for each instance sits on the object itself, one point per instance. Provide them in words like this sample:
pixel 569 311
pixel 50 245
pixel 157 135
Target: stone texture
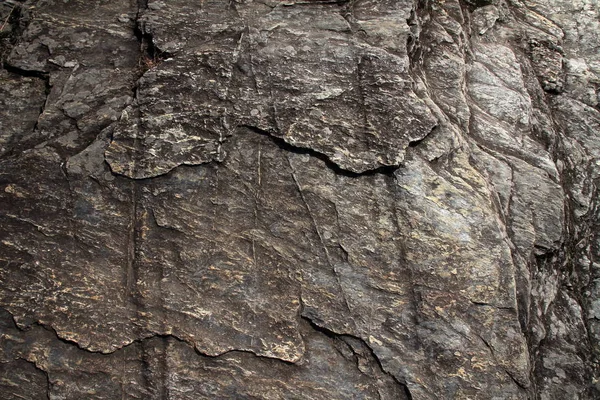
pixel 299 199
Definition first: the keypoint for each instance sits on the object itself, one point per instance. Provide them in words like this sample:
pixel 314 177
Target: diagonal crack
pixel 347 338
pixel 316 226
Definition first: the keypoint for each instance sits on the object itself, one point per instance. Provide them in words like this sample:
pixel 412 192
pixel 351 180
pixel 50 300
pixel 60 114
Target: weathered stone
pixel 299 199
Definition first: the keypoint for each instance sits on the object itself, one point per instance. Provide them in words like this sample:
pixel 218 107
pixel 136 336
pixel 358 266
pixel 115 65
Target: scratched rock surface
pixel 325 199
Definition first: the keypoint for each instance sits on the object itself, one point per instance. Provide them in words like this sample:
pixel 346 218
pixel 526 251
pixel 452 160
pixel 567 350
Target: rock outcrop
pixel 300 199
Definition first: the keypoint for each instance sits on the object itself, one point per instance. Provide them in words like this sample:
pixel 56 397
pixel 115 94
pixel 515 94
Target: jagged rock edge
pixel 287 147
pixel 71 342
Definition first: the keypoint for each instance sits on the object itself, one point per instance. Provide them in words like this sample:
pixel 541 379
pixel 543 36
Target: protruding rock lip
pixel 288 354
pixel 374 163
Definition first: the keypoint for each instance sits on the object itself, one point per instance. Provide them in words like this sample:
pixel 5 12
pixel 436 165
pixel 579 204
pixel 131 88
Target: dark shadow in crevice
pixel 27 73
pixel 283 145
pixel 150 54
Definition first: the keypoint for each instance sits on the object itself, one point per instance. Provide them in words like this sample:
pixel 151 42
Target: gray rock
pixel 299 199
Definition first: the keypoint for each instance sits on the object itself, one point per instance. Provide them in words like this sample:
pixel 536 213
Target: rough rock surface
pixel 300 199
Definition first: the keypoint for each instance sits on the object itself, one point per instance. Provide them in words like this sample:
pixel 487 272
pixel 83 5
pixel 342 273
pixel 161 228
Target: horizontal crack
pixel 282 144
pixel 27 72
pixel 70 342
pixel 484 304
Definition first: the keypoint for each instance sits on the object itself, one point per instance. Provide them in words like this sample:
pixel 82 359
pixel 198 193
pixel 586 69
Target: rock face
pixel 300 199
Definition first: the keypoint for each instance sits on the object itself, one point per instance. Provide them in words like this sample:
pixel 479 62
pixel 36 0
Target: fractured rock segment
pixel 332 93
pixel 300 73
pixel 331 370
pixel 211 269
pixel 388 238
pixel 88 54
pixel 333 367
pixel 182 112
pixel 462 306
pixel 98 376
pixel 66 251
pixel 153 136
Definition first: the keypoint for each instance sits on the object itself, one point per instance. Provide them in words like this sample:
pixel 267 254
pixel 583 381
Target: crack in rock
pixel 350 101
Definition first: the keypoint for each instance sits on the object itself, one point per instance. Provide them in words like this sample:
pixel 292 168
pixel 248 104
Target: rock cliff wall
pixel 300 199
